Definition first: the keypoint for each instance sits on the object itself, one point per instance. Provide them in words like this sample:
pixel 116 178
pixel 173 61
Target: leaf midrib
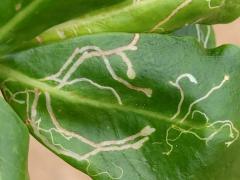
pixel 72 97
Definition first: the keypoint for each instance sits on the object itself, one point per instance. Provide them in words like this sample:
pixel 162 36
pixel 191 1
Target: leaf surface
pixel 154 16
pixel 13 145
pixel 124 106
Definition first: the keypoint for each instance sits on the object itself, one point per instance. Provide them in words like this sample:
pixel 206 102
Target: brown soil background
pixel 44 165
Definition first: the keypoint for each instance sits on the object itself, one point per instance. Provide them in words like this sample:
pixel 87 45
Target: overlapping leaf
pixel 81 17
pixel 21 20
pixel 13 145
pixel 157 16
pixel 124 106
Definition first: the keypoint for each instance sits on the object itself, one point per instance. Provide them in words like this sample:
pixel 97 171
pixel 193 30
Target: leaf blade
pixel 91 129
pixel 157 16
pixel 13 151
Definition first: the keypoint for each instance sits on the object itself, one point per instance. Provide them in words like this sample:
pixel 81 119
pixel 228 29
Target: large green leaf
pixel 123 106
pixel 91 16
pixel 13 145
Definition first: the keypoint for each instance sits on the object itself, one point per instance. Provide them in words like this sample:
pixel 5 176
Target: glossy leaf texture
pixel 154 16
pixel 81 17
pixel 13 145
pixel 125 106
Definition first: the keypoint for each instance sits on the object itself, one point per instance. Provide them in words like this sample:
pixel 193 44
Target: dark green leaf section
pixel 13 145
pixel 9 9
pixel 37 16
pixel 125 106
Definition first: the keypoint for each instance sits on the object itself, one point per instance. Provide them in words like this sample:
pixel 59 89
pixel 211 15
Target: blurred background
pixel 44 165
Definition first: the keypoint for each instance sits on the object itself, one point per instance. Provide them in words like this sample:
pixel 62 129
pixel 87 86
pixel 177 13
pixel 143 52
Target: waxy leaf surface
pixel 152 16
pixel 131 106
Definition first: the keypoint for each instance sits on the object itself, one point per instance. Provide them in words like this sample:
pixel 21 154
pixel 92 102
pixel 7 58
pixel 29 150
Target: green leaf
pixel 145 16
pixel 13 145
pixel 132 106
pixel 81 17
pixel 34 16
